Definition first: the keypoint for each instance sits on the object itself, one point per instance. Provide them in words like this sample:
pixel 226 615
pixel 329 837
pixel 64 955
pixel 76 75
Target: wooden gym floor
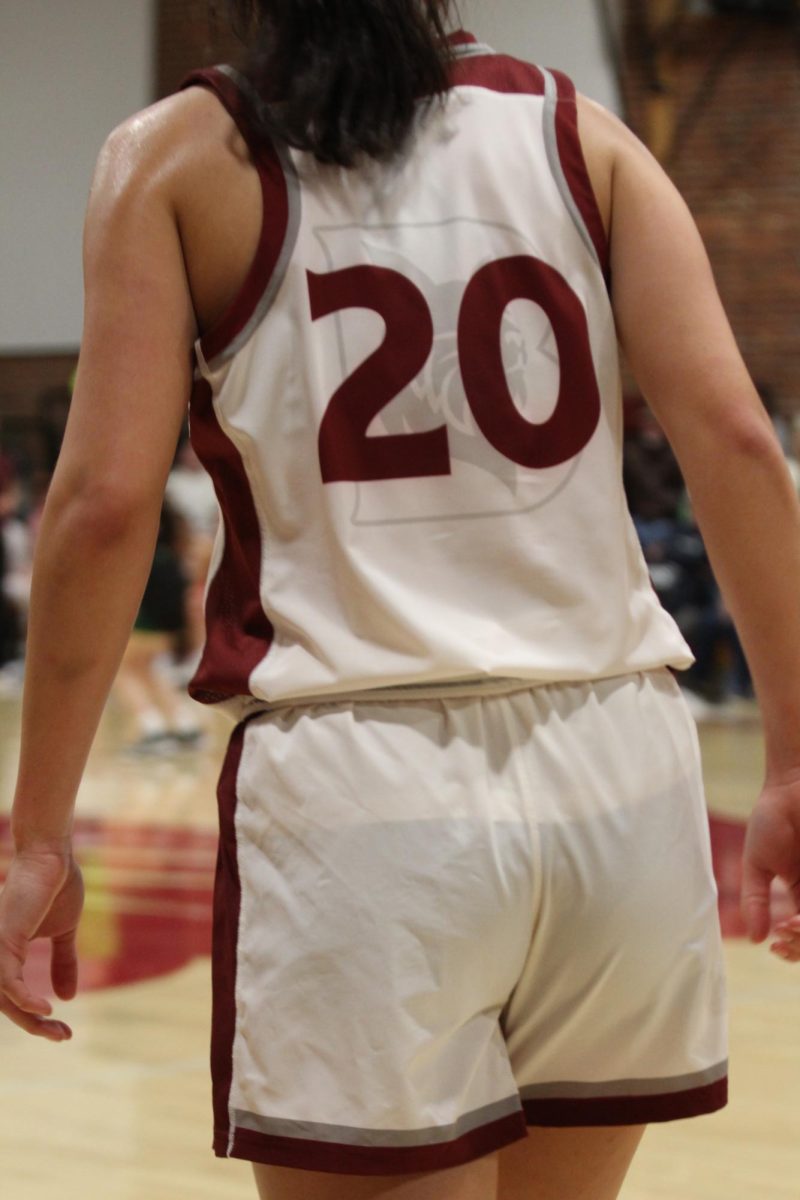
pixel 123 1111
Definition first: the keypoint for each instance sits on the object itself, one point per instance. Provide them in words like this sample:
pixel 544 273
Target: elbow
pixel 749 436
pixel 104 514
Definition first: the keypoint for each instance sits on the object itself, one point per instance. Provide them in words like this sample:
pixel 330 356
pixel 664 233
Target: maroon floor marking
pixel 149 891
pixel 148 901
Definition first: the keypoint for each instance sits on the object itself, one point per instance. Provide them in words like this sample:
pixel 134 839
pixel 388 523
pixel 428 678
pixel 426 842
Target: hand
pixel 772 851
pixel 42 897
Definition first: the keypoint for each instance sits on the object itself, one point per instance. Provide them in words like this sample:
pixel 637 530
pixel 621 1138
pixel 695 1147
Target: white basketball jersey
pixel 412 416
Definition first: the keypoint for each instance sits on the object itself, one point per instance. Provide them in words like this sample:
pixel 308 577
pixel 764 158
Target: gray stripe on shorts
pixel 625 1087
pixel 353 1135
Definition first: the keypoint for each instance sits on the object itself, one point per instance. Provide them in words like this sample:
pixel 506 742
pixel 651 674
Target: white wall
pixel 72 70
pixel 566 34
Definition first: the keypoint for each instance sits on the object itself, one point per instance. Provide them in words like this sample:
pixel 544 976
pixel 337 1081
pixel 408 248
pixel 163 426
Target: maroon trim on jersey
pixel 370 1160
pixel 461 38
pixel 574 164
pixel 626 1110
pixel 500 73
pixel 227 903
pixel 239 633
pixel 275 220
pixel 497 73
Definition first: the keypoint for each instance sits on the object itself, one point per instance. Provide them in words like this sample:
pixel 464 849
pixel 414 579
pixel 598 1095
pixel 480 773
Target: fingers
pixel 36 902
pixel 64 967
pixel 756 901
pixel 787 943
pixel 53 1031
pixel 21 997
pixel 33 1013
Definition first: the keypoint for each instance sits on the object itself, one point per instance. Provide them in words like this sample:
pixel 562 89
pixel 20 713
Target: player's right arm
pixel 97 535
pixel 676 336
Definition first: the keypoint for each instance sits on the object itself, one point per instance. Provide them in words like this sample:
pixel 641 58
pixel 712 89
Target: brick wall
pixel 732 105
pixel 34 400
pixel 725 121
pixel 191 33
pixel 23 377
pixel 730 102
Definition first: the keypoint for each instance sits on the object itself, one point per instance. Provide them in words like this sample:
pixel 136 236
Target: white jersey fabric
pixel 412 416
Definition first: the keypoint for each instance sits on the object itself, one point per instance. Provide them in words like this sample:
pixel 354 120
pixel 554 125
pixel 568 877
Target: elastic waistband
pixel 462 689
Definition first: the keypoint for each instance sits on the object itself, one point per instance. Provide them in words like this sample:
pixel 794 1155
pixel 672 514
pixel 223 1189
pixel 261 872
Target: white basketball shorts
pixel 438 920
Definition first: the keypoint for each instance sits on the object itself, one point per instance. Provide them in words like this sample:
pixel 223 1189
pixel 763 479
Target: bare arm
pixel 680 346
pixel 97 536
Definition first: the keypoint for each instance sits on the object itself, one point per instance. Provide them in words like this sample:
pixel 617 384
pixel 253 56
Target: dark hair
pixel 342 78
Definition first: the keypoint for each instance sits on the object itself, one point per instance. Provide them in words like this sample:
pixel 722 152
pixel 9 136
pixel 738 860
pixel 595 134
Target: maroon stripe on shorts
pixel 227 903
pixel 626 1110
pixel 342 1159
pixel 571 154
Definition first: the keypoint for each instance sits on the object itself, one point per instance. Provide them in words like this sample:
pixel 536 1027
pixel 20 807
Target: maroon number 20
pixel 345 450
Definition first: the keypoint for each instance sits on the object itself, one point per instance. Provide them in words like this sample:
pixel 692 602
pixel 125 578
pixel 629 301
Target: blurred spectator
pixel 165 720
pixel 679 568
pixel 10 630
pixel 190 493
pixel 720 672
pixel 15 568
pixel 653 481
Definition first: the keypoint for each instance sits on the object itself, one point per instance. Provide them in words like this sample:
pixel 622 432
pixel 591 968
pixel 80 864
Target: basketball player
pixel 466 942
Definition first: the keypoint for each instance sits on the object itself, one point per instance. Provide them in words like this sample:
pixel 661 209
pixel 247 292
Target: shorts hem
pixel 627 1110
pixel 337 1158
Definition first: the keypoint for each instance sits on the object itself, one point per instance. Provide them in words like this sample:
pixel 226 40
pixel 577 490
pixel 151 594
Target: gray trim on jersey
pixel 472 50
pixel 278 275
pixel 350 1135
pixel 294 195
pixel 556 166
pixel 626 1087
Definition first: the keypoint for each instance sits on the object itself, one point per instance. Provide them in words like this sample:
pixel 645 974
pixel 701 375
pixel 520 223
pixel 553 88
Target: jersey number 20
pixel 345 450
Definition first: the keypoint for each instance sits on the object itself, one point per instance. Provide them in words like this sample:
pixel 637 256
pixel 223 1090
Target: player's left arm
pixel 98 532
pixel 682 351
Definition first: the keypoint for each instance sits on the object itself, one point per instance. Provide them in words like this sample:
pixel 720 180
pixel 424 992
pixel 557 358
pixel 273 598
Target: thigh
pixel 568 1164
pixel 472 1181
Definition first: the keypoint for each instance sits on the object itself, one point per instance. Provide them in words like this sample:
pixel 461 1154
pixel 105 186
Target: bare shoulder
pixel 157 147
pixel 181 163
pixel 625 175
pixel 611 147
pixel 603 137
pixel 599 124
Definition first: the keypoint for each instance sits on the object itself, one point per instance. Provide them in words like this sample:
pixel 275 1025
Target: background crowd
pixel 164 646
pixel 718 685
pixel 165 643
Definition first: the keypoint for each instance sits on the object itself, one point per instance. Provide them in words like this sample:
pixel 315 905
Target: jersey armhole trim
pixel 581 198
pixel 280 221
